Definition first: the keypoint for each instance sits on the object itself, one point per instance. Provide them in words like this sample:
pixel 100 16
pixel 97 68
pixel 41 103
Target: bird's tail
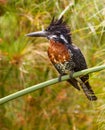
pixel 74 83
pixel 85 86
pixel 87 89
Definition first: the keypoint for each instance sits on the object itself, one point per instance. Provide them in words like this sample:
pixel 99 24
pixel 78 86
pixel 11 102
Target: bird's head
pixel 57 31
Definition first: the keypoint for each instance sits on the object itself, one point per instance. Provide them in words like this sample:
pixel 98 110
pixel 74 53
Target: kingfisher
pixel 66 57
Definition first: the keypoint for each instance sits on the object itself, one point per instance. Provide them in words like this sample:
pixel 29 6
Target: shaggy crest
pixel 58 26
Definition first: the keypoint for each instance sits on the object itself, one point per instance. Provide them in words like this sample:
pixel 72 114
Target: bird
pixel 66 57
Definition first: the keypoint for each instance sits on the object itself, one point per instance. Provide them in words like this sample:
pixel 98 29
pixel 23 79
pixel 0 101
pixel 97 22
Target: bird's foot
pixel 71 74
pixel 59 78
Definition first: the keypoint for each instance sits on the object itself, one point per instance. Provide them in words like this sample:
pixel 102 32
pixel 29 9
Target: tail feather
pixel 87 89
pixel 74 83
pixel 85 86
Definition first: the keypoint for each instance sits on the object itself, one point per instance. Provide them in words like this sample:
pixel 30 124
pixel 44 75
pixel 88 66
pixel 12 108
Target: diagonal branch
pixel 48 83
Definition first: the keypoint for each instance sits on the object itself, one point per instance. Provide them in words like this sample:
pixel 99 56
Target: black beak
pixel 38 34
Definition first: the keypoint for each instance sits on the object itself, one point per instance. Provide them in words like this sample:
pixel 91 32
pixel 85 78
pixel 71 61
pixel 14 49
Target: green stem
pixel 48 83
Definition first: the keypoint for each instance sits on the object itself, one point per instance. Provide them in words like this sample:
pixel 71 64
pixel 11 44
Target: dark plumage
pixel 57 27
pixel 66 57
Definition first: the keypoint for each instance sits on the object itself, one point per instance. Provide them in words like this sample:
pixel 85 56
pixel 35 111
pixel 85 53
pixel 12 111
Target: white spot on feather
pixel 52 36
pixel 63 38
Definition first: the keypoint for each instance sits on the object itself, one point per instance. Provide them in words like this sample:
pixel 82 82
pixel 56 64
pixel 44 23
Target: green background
pixel 24 62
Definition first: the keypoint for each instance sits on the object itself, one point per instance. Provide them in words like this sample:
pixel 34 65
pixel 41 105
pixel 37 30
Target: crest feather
pixel 59 25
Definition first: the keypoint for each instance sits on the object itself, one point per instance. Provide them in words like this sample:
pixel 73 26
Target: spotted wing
pixel 80 64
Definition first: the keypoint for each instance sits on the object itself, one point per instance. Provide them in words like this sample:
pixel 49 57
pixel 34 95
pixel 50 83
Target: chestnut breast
pixel 58 52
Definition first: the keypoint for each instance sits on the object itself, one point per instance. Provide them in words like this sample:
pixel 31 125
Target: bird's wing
pixel 77 58
pixel 80 64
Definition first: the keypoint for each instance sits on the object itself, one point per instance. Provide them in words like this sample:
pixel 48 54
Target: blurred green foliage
pixel 24 62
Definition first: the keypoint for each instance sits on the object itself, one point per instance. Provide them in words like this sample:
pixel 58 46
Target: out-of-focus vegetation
pixel 24 62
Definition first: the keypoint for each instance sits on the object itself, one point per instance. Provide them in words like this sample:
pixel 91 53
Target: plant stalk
pixel 48 83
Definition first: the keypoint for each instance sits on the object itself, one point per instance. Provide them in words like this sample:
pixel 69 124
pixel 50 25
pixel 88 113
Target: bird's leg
pixel 71 74
pixel 59 78
pixel 78 79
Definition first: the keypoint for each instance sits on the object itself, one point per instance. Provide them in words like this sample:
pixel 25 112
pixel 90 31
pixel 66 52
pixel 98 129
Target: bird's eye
pixel 58 33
